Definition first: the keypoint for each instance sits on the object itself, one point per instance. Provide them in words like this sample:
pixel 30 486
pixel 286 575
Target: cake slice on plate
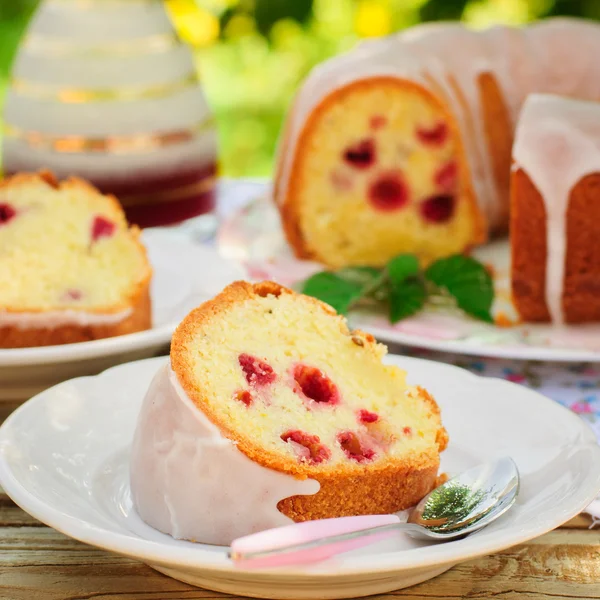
pixel 271 410
pixel 71 269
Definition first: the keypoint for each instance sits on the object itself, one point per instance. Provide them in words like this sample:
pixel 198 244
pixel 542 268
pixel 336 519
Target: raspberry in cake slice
pixel 71 270
pixel 282 377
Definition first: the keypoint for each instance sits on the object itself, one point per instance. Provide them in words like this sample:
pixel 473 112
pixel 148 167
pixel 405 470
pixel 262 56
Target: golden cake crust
pixel 138 304
pixel 139 319
pixel 389 485
pixel 581 292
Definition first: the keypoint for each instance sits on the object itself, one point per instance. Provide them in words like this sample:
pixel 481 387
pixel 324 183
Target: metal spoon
pixel 464 504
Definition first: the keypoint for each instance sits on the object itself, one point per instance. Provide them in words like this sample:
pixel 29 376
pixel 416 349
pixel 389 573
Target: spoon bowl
pixel 469 501
pixel 462 505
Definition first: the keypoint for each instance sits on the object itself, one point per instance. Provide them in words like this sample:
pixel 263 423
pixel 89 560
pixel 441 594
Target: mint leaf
pixel 468 281
pixel 406 298
pixel 332 289
pixel 401 267
pixel 361 275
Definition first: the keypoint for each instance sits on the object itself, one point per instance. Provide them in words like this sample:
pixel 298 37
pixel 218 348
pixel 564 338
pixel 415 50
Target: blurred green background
pixel 252 54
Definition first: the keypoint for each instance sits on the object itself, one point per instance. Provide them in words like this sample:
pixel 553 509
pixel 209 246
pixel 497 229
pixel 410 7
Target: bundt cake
pixel 70 269
pixel 555 210
pixel 272 409
pixel 404 144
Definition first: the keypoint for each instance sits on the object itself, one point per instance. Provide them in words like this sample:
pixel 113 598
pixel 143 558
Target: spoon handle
pixel 312 541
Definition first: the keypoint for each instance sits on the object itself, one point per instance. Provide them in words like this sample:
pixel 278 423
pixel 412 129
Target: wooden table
pixel 38 563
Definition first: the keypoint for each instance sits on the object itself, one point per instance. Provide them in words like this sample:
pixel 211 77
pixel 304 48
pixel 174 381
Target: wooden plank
pixel 40 563
pixel 7 407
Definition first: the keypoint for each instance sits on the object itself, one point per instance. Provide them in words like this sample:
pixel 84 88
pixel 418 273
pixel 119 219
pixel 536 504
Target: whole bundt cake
pixel 405 144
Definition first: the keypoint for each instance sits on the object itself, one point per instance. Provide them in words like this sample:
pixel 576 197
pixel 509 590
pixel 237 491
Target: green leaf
pixel 329 287
pixel 401 267
pixel 406 298
pixel 468 281
pixel 363 276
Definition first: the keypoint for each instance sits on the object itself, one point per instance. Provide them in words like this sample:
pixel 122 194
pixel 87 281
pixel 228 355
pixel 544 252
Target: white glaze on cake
pixel 52 319
pixel 556 56
pixel 557 144
pixel 189 481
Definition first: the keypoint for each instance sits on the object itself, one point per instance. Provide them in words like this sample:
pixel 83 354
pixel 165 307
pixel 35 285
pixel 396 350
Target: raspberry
pixel 257 371
pixel 352 447
pixel 365 416
pixel 407 430
pixel 72 295
pixel 446 177
pixel 7 213
pixel 244 396
pixel 361 155
pixel 438 209
pixel 102 228
pixel 315 385
pixel 388 192
pixel 434 136
pixel 307 446
pixel 378 122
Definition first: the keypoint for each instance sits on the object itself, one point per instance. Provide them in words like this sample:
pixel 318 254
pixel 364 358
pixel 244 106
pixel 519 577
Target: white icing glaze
pixel 557 143
pixel 56 318
pixel 554 56
pixel 189 481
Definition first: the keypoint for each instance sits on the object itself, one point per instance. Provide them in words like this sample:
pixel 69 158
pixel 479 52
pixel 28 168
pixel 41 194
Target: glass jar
pixel 105 90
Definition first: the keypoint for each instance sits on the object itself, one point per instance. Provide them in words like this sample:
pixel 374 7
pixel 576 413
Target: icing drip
pixel 557 144
pixel 189 481
pixel 57 318
pixel 556 56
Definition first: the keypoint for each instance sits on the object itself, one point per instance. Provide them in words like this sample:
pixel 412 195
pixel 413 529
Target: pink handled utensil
pixel 306 542
pixel 461 506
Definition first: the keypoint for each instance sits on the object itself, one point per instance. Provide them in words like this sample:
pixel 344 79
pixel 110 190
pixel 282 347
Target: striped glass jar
pixel 104 89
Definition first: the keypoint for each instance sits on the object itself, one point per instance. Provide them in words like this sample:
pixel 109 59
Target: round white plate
pixel 185 274
pixel 253 236
pixel 64 459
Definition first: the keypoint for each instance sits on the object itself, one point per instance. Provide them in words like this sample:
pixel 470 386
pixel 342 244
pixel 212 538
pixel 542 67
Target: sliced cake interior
pixel 282 376
pixel 380 171
pixel 70 268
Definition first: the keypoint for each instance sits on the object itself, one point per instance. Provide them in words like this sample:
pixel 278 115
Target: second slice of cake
pixel 268 388
pixel 71 268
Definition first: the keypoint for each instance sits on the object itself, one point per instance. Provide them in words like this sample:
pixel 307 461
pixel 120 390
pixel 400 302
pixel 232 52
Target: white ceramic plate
pixel 64 459
pixel 185 274
pixel 253 236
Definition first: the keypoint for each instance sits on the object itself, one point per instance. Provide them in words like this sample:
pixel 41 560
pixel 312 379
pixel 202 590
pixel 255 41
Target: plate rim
pixel 131 342
pixel 154 552
pixel 525 353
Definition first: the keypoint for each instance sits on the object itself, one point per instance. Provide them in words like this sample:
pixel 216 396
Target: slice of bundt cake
pixel 383 172
pixel 278 379
pixel 71 270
